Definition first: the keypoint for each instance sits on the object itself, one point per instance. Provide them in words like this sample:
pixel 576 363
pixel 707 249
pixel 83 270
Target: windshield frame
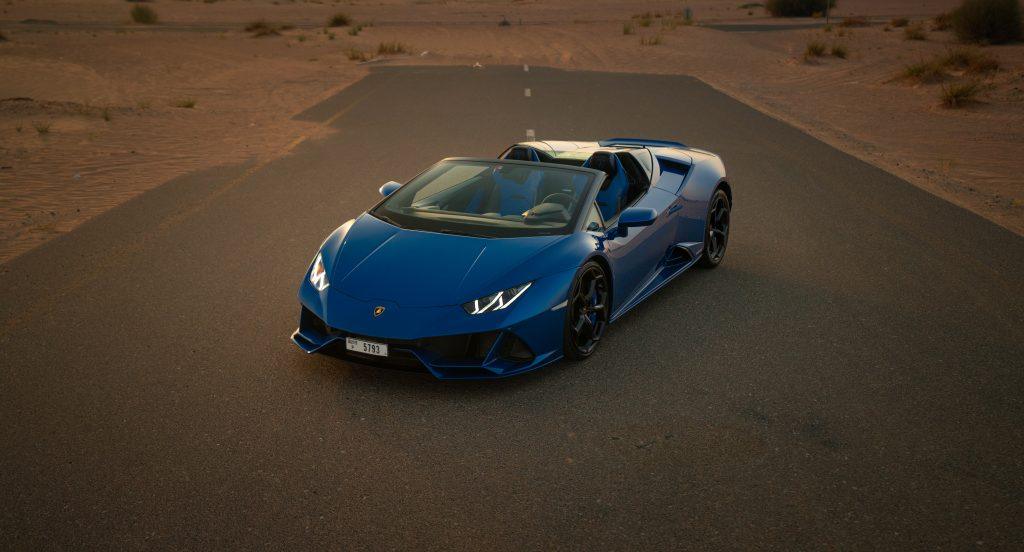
pixel 586 198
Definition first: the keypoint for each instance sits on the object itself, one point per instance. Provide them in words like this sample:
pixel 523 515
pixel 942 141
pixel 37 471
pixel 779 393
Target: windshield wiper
pixel 459 233
pixel 386 219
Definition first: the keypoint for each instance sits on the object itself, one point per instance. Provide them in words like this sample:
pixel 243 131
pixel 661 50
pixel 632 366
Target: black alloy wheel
pixel 716 235
pixel 587 311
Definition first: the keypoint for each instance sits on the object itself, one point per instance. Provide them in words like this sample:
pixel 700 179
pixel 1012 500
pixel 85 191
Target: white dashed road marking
pixel 530 135
pixel 527 92
pixel 526 68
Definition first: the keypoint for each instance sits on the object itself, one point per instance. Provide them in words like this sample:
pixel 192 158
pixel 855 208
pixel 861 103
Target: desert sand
pixel 95 109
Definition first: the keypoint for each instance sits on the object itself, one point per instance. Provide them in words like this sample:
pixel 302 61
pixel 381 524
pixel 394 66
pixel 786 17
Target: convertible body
pixel 473 269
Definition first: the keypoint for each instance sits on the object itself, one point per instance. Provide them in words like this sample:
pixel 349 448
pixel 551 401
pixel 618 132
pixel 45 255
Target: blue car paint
pixel 422 278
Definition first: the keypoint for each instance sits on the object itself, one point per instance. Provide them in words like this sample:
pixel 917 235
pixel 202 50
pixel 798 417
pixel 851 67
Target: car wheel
pixel 716 230
pixel 586 311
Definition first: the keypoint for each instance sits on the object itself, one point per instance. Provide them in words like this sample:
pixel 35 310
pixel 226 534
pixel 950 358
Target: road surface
pixel 851 377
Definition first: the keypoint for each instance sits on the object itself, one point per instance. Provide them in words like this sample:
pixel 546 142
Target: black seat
pixel 603 162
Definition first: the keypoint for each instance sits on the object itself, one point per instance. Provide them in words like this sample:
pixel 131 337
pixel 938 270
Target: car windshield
pixel 492 199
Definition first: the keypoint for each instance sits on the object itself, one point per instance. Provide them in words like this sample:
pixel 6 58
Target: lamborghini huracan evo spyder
pixel 485 268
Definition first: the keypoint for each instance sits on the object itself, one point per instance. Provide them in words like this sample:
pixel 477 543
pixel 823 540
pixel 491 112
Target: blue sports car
pixel 486 268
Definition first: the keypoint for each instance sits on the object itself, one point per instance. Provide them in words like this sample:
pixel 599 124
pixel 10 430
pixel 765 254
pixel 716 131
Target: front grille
pixel 452 349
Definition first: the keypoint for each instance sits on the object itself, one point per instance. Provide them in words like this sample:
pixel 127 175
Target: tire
pixel 587 310
pixel 716 230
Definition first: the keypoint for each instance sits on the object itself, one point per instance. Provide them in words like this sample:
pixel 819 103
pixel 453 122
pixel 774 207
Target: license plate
pixel 366 347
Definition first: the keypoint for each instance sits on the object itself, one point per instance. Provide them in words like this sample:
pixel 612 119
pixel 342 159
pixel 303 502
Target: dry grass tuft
pixel 3 37
pixel 815 49
pixel 41 128
pixel 187 103
pixel 650 41
pixel 356 29
pixel 627 28
pixel 960 94
pixel 839 51
pixel 925 72
pixel 915 32
pixel 144 15
pixel 971 60
pixel 355 54
pixel 392 48
pixel 899 22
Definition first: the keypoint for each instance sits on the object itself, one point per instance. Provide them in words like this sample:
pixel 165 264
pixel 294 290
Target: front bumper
pixel 445 341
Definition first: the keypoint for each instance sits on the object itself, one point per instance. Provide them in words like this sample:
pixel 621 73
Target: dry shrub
pixel 814 49
pixel 971 60
pixel 392 48
pixel 915 32
pixel 925 72
pixel 339 20
pixel 994 21
pixel 144 15
pixel 960 94
pixel 854 21
pixel 796 8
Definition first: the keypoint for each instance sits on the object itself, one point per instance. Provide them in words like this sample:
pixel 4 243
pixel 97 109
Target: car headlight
pixel 318 274
pixel 495 301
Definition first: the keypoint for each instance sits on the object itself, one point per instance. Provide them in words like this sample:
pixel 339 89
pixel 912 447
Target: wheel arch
pixel 723 184
pixel 607 267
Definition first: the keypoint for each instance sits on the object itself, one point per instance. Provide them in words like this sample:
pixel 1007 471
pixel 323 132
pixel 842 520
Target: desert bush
pixel 796 8
pixel 915 32
pixel 187 103
pixel 839 51
pixel 942 22
pixel 393 47
pixel 925 71
pixel 960 94
pixel 42 128
pixel 814 49
pixel 262 27
pixel 338 20
pixel 854 21
pixel 650 41
pixel 627 28
pixel 899 22
pixel 994 21
pixel 971 60
pixel 355 30
pixel 143 14
pixel 355 54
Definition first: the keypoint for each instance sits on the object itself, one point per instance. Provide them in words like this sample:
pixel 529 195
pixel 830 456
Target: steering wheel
pixel 560 198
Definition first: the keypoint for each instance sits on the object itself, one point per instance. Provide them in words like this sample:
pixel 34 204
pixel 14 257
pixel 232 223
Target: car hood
pixel 379 261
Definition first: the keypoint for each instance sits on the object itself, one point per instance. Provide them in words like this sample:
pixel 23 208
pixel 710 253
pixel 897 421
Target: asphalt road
pixel 851 377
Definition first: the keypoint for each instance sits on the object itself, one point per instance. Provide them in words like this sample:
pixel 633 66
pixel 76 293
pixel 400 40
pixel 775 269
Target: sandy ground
pixel 93 108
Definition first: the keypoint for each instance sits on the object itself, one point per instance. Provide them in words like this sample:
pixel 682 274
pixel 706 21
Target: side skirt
pixel 674 264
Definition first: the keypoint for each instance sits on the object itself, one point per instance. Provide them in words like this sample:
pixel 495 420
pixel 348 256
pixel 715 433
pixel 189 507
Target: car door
pixel 637 255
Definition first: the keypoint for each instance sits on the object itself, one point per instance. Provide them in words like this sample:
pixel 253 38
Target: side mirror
pixel 635 216
pixel 389 188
